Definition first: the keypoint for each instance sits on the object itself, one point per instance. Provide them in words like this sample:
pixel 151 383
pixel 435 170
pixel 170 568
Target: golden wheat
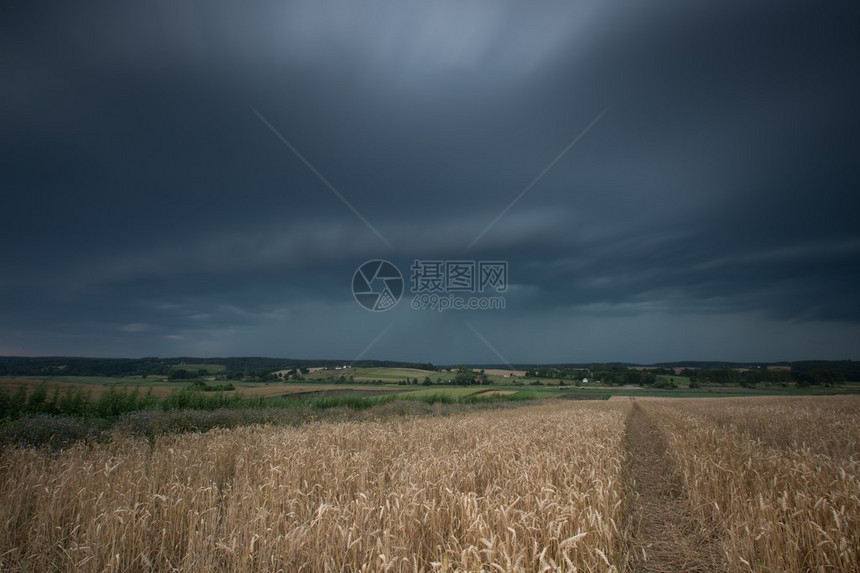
pixel 775 482
pixel 822 425
pixel 536 488
pixel 781 477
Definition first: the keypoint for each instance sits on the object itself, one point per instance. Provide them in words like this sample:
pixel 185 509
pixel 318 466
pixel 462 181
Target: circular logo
pixel 377 285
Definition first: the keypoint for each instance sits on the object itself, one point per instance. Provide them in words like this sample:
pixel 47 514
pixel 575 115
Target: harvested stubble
pixel 780 477
pixel 534 488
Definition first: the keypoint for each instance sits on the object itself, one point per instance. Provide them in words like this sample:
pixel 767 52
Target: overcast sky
pixel 155 201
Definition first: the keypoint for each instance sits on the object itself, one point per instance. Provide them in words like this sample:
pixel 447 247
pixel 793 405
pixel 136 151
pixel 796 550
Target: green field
pixel 392 375
pixel 61 410
pixel 714 391
pixel 455 392
pixel 389 382
pixel 210 368
pixel 681 381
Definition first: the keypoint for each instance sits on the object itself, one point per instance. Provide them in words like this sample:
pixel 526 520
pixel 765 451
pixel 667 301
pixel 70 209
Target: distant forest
pixel 806 373
pixel 248 365
pixel 803 373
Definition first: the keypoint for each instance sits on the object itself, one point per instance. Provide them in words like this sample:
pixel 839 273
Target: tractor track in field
pixel 665 535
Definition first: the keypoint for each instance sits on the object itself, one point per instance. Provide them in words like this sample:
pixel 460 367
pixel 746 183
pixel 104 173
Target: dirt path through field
pixel 665 535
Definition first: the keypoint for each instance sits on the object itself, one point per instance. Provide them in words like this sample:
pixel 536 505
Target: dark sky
pixel 707 209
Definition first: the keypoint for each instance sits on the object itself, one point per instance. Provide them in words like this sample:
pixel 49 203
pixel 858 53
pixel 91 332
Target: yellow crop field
pixel 780 477
pixel 757 484
pixel 514 489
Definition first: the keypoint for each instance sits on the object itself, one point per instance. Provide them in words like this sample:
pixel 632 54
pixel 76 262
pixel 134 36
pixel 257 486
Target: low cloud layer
pixel 708 214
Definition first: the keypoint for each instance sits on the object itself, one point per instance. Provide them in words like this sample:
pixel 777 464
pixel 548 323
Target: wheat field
pixel 773 482
pixel 779 476
pixel 515 489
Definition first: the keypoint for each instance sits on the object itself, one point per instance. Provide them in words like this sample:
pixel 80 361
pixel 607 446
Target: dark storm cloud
pixel 149 210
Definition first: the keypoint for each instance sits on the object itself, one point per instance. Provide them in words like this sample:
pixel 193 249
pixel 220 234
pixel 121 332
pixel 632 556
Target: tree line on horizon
pixel 802 373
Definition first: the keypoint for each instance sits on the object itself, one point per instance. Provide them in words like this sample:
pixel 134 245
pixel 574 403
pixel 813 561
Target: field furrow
pixel 782 509
pixel 666 533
